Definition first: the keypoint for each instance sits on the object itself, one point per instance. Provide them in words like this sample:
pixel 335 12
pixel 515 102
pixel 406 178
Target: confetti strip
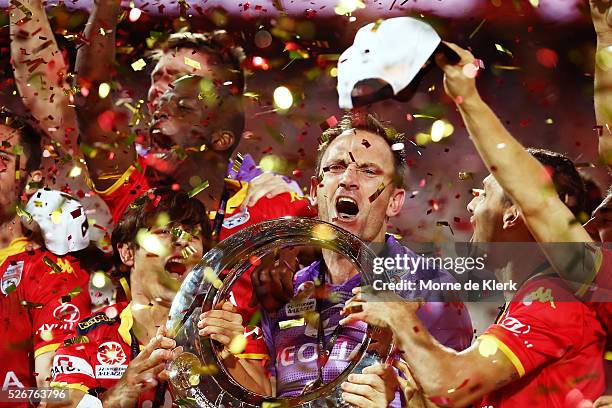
pixel 198 189
pixel 50 263
pixel 378 192
pixel 477 29
pixel 139 65
pixel 192 63
pixel 465 175
pixel 445 224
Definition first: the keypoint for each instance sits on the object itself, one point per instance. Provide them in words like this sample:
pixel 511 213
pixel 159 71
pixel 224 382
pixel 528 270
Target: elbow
pixel 447 392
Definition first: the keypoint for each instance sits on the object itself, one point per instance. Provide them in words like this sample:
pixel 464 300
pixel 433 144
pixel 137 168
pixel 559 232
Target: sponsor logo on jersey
pixel 236 219
pixel 11 277
pixel 307 353
pixel 114 371
pixel 66 314
pixel 65 364
pixel 64 266
pixel 92 322
pixel 515 326
pixel 111 353
pixel 299 308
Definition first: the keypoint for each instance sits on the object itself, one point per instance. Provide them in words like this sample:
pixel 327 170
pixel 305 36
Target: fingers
pixel 157 357
pixel 155 343
pixel 227 306
pixel 357 400
pixel 605 401
pixel 218 315
pixel 377 369
pixel 358 389
pixel 273 278
pixel 466 56
pixel 371 380
pixel 266 184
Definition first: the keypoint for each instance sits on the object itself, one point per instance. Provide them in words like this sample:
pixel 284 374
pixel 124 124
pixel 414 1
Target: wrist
pixel 604 38
pixel 403 314
pixel 115 398
pixel 469 101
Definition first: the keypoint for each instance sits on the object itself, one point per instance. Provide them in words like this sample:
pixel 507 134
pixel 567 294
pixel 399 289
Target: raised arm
pixel 520 175
pixel 40 73
pixel 446 377
pixel 102 125
pixel 601 13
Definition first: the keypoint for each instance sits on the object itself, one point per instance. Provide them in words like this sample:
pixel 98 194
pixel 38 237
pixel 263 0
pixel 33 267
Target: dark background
pixel 553 80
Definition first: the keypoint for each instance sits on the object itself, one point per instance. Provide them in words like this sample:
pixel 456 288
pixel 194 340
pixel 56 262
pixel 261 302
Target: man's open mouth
pixel 175 267
pixel 346 208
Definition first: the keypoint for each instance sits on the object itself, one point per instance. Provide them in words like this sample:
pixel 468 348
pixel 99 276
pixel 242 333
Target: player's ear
pixel 33 182
pixel 396 202
pixel 222 140
pixel 126 253
pixel 315 183
pixel 512 217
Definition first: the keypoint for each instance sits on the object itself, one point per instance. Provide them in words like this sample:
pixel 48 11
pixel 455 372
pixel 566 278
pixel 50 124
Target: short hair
pixel 219 43
pixel 565 178
pixel 369 123
pixel 144 213
pixel 29 137
pixel 226 50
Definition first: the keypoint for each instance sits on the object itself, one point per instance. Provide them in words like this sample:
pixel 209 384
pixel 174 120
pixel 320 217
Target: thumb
pixel 227 306
pixel 162 330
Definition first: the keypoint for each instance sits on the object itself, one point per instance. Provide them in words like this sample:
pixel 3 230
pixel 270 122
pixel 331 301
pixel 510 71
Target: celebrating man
pixel 545 339
pixel 358 188
pixel 42 295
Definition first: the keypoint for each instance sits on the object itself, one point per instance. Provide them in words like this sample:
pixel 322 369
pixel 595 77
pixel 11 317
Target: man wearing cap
pixel 42 294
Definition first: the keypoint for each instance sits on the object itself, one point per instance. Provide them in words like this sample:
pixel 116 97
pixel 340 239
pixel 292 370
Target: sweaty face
pixel 173 65
pixel 10 186
pixel 487 209
pixel 185 119
pixel 355 189
pixel 160 273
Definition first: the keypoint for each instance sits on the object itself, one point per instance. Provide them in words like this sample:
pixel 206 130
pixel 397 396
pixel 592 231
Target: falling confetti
pixel 139 65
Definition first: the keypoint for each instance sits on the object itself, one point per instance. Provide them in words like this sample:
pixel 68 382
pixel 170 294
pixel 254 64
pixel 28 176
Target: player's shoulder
pixel 41 261
pixel 288 203
pixel 100 323
pixel 547 296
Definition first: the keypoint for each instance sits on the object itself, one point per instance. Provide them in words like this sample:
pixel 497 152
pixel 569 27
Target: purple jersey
pixel 292 340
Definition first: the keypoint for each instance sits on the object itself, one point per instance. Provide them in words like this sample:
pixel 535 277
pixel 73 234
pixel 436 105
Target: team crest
pixel 111 353
pixel 236 219
pixel 11 277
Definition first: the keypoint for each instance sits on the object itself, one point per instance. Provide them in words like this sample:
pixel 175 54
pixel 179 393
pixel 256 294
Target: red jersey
pixel 555 346
pixel 42 298
pixel 284 204
pixel 98 352
pixel 599 295
pixel 133 183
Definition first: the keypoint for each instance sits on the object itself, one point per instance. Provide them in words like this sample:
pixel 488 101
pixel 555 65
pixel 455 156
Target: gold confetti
pixel 238 344
pixel 487 347
pixel 502 49
pixel 192 63
pixel 139 65
pixel 323 232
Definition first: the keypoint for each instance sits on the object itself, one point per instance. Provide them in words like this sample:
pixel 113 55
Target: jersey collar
pixel 16 246
pixel 127 321
pixel 241 188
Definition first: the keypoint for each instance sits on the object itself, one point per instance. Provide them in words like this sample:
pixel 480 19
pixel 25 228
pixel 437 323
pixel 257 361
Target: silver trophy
pixel 198 376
